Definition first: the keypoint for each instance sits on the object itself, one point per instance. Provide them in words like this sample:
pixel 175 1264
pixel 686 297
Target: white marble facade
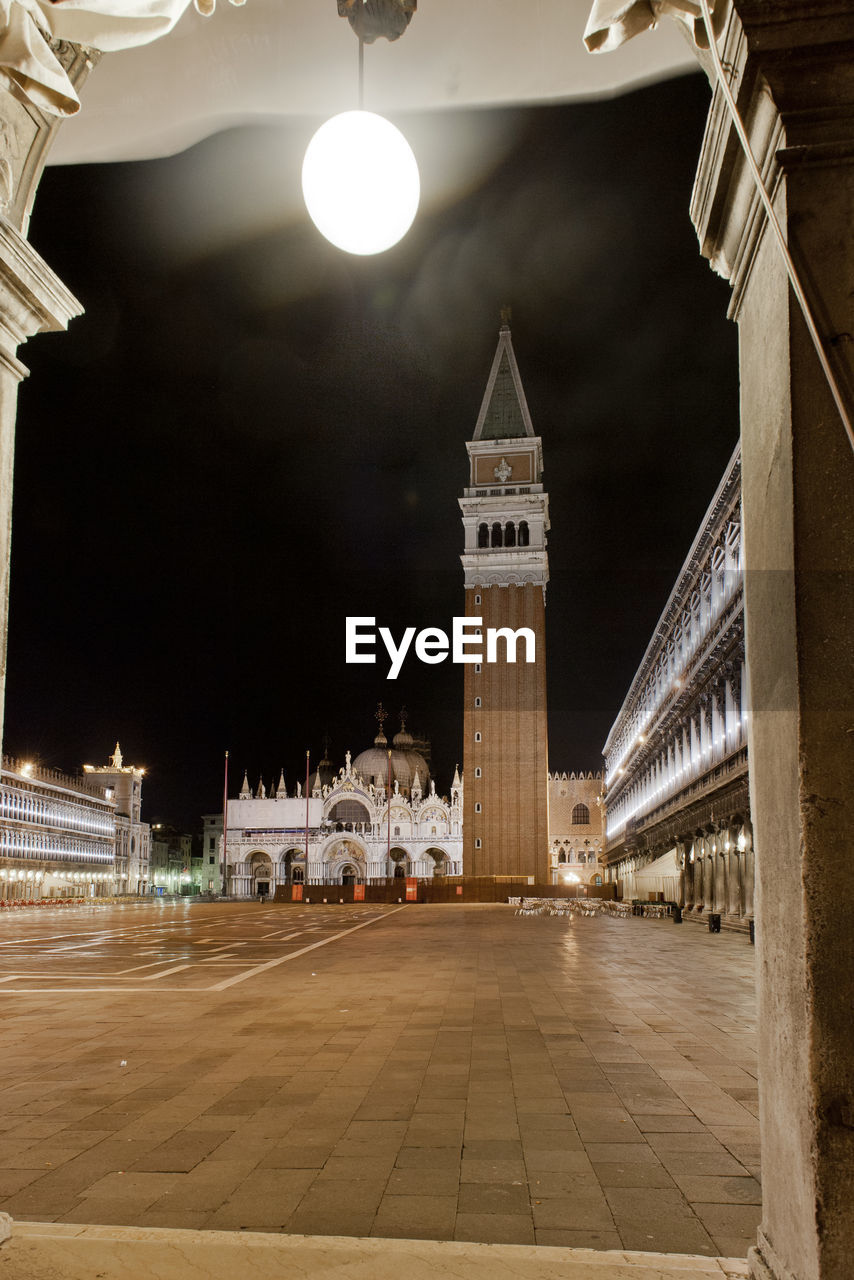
pixel 346 821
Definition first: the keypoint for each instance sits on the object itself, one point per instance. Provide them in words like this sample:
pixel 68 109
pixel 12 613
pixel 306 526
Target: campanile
pixel 505 735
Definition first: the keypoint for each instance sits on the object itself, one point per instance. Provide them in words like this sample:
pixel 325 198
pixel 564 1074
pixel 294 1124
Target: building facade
pixel 172 869
pixel 123 782
pixel 677 803
pixel 505 735
pixel 351 829
pixel 57 834
pixel 576 828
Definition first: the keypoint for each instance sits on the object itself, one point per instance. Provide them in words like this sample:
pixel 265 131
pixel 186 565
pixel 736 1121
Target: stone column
pixel 688 876
pixel 792 64
pixel 32 299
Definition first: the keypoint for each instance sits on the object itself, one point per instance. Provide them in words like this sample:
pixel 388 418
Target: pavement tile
pixel 495 1228
pixel 422 1217
pixel 718 1190
pixel 494 1197
pixel 579 1239
pixel 582 1211
pixel 426 1182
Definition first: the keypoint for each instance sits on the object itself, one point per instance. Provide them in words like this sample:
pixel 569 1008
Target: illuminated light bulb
pixel 360 182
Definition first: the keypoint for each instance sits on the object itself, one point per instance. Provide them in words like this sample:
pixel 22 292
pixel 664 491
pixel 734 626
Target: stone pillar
pixel 32 299
pixel 792 68
pixel 688 875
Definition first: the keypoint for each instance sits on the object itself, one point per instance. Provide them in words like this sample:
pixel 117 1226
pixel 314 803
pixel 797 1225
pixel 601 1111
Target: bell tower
pixel 505 734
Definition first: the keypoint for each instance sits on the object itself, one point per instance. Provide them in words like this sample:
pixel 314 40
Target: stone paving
pixel 440 1073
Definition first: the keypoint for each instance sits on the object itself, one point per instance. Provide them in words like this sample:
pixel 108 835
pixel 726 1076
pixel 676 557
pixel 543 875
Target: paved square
pixel 441 1072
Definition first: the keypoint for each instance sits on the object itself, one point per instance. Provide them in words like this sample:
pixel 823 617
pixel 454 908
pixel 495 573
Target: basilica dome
pixel 372 765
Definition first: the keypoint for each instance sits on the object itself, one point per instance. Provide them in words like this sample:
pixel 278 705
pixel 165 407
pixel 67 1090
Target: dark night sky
pixel 250 435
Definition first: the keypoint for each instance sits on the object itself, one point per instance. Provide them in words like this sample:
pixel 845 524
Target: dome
pixel 372 765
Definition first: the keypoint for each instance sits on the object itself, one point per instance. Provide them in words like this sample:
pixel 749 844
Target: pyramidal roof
pixel 504 413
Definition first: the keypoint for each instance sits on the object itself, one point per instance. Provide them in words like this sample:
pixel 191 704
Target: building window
pixel 477 843
pixel 397 831
pixel 477 737
pixel 524 536
pixel 561 857
pixel 477 599
pixel 483 537
pixel 597 880
pixel 497 535
pixel 478 807
pixel 510 535
pixel 211 842
pixel 477 702
pixel 478 773
pixel 581 816
pixel 211 861
pixel 477 668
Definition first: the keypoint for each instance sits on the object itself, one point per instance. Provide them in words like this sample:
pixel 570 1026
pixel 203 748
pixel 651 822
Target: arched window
pixel 524 536
pixel 496 535
pixel 561 857
pixel 581 816
pixel 349 811
pixel 597 880
pixel 297 875
pixel 510 534
pixel 397 831
pixel 483 535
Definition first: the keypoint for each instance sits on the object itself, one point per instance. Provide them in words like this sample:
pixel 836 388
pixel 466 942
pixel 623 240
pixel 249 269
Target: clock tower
pixel 505 734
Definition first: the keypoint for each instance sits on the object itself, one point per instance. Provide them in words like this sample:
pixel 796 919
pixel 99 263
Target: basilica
pixel 379 817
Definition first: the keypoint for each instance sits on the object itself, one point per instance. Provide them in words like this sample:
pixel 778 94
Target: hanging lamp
pixel 360 178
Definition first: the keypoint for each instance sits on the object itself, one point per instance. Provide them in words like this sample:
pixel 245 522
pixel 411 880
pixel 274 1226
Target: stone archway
pixel 292 866
pixel 261 872
pixel 345 855
pixel 442 865
pixel 400 862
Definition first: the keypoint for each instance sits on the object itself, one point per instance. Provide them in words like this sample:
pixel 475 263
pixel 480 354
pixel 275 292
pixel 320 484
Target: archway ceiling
pixel 269 59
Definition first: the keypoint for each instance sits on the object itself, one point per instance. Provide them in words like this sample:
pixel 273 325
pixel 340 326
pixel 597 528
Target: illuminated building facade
pixel 346 820
pixel 57 834
pixel 677 804
pixel 123 783
pixel 576 829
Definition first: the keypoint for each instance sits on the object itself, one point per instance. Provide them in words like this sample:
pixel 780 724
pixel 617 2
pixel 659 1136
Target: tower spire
pixel 504 413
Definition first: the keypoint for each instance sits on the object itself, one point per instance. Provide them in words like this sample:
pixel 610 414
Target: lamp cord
pixel 361 74
pixel 794 278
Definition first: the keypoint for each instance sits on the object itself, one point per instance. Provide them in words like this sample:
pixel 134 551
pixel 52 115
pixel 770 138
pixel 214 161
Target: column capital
pixel 32 297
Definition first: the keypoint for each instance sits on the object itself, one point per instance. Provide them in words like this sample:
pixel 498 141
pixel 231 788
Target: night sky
pixel 250 435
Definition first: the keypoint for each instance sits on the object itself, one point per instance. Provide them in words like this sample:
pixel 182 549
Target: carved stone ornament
pixel 503 471
pixel 371 19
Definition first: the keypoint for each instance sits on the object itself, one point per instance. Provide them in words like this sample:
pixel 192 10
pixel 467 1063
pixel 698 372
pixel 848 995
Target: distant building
pixel 57 834
pixel 211 854
pixel 576 828
pixel 171 859
pixel 123 783
pixel 357 832
pixel 677 803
